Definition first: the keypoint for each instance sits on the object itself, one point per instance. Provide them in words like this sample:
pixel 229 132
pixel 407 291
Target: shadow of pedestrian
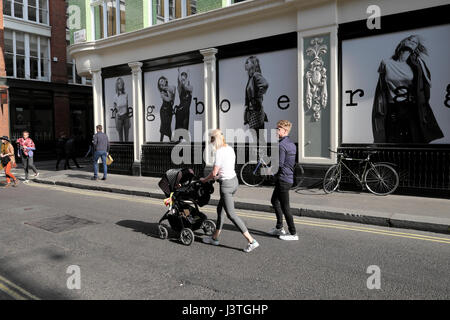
pixel 253 232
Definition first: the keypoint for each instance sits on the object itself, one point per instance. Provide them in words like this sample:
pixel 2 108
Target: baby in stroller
pixel 185 195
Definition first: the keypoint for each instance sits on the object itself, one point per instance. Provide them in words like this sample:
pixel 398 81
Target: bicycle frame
pixel 355 175
pixel 261 162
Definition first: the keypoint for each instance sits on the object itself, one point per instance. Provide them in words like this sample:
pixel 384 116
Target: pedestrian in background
pixel 100 143
pixel 26 152
pixel 70 152
pixel 284 179
pixel 225 160
pixel 60 149
pixel 8 160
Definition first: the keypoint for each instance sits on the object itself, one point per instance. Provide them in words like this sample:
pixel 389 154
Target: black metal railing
pixel 157 158
pixel 123 155
pixel 419 169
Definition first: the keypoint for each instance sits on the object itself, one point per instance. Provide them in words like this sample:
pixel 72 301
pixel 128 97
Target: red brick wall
pixel 58 40
pixel 4 111
pixel 59 70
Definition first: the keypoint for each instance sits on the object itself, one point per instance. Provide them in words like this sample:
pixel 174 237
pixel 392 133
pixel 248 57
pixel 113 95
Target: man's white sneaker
pixel 277 232
pixel 289 237
pixel 26 181
pixel 36 175
pixel 251 246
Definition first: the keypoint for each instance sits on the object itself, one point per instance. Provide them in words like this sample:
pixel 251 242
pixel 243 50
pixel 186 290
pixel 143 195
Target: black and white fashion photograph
pixel 403 77
pixel 257 85
pixel 166 111
pixel 119 109
pixel 258 90
pixel 173 103
pixel 182 110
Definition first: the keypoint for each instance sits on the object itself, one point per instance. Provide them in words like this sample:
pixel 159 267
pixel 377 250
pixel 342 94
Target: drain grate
pixel 60 224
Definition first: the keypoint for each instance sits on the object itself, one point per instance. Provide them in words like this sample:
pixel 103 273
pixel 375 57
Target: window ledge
pixel 27 26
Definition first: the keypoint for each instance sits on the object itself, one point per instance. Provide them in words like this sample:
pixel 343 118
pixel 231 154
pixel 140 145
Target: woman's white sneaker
pixel 210 240
pixel 251 246
pixel 289 237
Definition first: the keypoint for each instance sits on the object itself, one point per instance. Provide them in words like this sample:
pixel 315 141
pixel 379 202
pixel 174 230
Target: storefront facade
pixel 318 61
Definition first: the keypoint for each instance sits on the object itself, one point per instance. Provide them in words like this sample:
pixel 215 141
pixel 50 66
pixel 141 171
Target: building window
pixel 72 74
pixel 27 56
pixel 34 57
pixel 20 54
pixel 35 10
pixel 159 9
pixel 108 15
pixel 9 53
pixel 43 11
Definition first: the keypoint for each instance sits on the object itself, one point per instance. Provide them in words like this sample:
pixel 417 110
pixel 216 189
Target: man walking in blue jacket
pixel 284 181
pixel 101 149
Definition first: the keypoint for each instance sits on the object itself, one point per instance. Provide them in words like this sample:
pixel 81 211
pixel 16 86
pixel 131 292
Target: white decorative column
pixel 318 128
pixel 97 91
pixel 138 115
pixel 210 76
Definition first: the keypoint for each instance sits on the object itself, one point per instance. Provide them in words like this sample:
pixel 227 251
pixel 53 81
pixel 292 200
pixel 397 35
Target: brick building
pixel 40 90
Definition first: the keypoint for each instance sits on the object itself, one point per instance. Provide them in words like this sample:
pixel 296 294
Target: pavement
pixel 397 211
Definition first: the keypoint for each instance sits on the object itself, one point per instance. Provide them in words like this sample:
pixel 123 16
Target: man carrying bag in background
pixel 100 142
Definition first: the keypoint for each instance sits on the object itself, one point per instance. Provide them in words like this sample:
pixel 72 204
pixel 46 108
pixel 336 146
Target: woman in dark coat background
pixel 401 110
pixel 182 112
pixel 166 113
pixel 257 86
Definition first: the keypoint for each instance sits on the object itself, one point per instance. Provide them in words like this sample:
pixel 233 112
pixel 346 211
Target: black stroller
pixel 186 194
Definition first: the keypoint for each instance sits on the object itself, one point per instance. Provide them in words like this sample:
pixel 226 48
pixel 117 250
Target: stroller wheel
pixel 209 227
pixel 163 232
pixel 187 236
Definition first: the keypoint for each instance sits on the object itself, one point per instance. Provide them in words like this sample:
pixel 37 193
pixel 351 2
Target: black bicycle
pixel 379 178
pixel 254 173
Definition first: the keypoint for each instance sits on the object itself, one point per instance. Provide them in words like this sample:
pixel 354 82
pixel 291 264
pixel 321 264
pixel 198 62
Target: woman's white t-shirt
pixel 226 159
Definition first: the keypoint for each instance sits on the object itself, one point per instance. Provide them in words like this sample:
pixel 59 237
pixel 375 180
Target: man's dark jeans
pixel 280 202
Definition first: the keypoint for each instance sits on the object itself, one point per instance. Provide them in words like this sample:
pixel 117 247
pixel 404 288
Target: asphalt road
pixel 120 256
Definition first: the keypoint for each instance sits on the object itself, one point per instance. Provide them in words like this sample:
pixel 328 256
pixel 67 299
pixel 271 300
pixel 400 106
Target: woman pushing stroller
pixel 223 169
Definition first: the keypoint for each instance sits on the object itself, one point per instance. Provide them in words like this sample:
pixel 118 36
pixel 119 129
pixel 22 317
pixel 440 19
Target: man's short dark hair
pixel 99 127
pixel 25 132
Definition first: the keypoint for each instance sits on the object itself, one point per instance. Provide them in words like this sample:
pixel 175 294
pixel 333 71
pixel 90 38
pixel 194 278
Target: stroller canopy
pixel 174 177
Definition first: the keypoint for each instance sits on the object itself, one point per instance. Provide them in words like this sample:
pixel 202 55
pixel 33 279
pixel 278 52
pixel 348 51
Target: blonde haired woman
pixel 223 170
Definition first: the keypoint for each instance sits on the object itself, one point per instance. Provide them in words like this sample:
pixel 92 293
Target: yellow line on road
pixel 18 293
pixel 10 293
pixel 260 216
pixel 354 227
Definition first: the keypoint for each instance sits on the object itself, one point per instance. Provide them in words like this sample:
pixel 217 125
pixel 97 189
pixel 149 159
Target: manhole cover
pixel 60 224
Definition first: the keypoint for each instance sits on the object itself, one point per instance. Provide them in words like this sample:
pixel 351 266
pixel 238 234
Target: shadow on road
pixel 150 229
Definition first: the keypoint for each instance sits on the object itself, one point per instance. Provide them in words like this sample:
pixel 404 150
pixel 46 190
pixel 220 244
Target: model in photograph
pixel 257 86
pixel 182 111
pixel 123 122
pixel 166 113
pixel 401 109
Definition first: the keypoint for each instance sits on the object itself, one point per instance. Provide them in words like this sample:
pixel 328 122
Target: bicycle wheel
pixel 381 179
pixel 332 179
pixel 251 174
